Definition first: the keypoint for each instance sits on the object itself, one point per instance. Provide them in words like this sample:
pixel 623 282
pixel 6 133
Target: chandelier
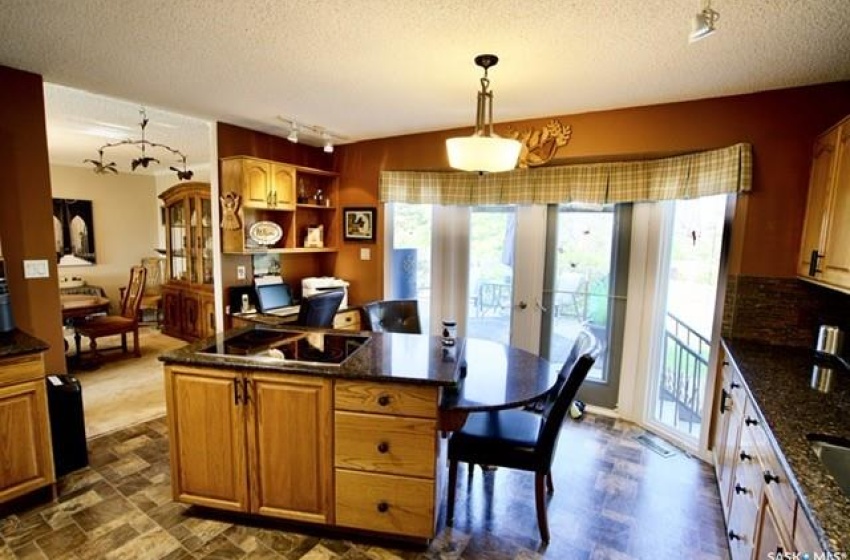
pixel 144 160
pixel 484 151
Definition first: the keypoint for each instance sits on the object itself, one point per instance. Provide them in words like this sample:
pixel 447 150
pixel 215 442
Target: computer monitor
pixel 273 296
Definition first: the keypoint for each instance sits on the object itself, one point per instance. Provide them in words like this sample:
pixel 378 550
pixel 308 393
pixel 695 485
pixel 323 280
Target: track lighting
pixel 329 145
pixel 703 22
pixel 293 133
pixel 311 135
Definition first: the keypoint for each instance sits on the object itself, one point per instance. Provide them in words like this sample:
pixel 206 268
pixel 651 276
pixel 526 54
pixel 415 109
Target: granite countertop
pixel 780 380
pixel 386 357
pixel 17 343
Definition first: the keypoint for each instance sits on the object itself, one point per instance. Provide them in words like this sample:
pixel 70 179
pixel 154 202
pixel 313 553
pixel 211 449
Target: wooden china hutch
pixel 187 293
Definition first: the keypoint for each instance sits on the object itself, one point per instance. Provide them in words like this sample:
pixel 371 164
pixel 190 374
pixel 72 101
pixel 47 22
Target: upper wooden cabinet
pixel 825 247
pixel 262 184
pixel 292 198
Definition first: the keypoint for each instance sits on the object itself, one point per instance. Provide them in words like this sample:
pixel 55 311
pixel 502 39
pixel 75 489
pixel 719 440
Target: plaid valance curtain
pixel 726 170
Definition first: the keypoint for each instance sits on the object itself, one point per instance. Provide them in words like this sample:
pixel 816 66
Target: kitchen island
pixel 335 428
pixel 782 395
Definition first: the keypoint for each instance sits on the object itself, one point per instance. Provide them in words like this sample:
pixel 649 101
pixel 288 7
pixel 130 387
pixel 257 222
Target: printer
pixel 313 285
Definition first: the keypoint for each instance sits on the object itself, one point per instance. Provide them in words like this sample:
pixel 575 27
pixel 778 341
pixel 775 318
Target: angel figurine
pixel 230 206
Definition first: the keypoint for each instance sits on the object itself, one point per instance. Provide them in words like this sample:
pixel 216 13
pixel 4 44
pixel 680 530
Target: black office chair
pixel 395 316
pixel 520 439
pixel 319 310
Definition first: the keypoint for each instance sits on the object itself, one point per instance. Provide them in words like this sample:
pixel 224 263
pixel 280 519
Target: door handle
pixel 540 306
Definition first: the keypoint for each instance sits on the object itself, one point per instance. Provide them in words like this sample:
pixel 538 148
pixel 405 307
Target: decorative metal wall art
pixel 539 145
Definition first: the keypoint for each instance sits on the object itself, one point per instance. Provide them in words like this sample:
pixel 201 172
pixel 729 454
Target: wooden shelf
pixel 316 206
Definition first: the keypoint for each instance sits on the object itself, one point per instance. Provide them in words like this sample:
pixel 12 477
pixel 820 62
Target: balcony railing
pixel 683 375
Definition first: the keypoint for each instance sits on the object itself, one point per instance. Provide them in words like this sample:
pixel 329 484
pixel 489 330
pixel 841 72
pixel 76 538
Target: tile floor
pixel 614 498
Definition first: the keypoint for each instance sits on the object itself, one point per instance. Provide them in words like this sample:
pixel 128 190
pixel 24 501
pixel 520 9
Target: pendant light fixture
pixel 484 151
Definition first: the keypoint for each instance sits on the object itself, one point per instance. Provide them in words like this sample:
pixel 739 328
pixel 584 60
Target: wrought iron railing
pixel 684 371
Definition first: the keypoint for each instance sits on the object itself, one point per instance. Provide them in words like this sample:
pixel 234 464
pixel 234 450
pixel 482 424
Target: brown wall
pixel 780 125
pixel 26 211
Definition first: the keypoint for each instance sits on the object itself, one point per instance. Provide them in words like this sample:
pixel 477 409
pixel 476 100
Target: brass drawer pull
pixel 383 507
pixel 384 400
pixel 383 447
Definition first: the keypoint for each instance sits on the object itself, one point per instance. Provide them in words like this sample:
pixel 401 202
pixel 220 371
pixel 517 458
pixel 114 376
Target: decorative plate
pixel 265 233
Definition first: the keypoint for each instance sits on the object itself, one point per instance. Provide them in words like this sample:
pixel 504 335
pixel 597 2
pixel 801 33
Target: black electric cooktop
pixel 323 348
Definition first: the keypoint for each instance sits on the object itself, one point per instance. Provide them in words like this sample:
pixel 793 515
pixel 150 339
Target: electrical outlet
pixel 240 272
pixel 36 269
pixel 365 254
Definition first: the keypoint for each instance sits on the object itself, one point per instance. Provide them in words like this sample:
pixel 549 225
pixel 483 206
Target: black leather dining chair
pixel 318 310
pixel 521 439
pixel 394 316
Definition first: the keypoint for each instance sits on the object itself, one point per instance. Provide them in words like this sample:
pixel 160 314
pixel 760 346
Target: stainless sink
pixel 834 453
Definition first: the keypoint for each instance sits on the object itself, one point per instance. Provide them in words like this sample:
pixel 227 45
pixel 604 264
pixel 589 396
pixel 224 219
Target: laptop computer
pixel 276 299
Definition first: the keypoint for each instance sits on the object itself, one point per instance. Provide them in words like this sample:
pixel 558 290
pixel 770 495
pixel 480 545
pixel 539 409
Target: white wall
pixel 125 211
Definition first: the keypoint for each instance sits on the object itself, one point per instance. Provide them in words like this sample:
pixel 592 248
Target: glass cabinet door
pixel 206 249
pixel 177 265
pixel 194 224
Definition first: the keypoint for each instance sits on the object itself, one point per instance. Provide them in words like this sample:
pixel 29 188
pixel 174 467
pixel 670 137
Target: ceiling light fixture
pixel 329 145
pixel 484 151
pixel 144 160
pixel 312 133
pixel 293 133
pixel 703 23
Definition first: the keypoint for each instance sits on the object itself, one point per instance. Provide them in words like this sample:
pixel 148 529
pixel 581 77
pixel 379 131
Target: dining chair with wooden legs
pixel 521 439
pixel 127 322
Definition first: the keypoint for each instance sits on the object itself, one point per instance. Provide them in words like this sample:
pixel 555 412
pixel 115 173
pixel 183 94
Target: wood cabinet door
pixel 283 181
pixel 290 446
pixel 172 315
pixel 836 262
pixel 256 183
pixel 207 315
pixel 769 539
pixel 26 462
pixel 818 199
pixel 206 421
pixel 725 437
pixel 191 312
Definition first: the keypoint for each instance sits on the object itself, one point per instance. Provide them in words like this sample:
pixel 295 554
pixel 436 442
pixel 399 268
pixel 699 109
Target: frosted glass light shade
pixel 491 154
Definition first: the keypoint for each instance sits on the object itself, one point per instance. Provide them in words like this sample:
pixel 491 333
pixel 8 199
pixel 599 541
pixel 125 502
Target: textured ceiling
pixel 374 68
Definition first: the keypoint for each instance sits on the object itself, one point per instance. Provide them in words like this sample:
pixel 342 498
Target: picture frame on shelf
pixel 358 223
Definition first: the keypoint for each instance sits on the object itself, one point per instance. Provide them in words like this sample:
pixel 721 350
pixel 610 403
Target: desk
pixel 497 377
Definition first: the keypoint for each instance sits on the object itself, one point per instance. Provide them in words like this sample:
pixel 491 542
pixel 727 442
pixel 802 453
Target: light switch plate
pixel 36 269
pixel 365 254
pixel 240 272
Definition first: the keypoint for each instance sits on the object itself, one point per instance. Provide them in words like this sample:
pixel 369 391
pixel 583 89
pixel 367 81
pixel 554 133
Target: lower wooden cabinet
pixel 388 458
pixel 762 511
pixel 308 448
pixel 26 459
pixel 187 313
pixel 251 442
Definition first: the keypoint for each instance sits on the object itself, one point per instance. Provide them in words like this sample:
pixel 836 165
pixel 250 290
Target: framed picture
pixel 358 224
pixel 73 228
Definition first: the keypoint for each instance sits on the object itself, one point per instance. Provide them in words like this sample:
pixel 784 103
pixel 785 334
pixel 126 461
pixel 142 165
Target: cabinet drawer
pixel 386 503
pixel 741 528
pixel 347 320
pixel 388 444
pixel 386 398
pixel 21 368
pixel 748 476
pixel 777 485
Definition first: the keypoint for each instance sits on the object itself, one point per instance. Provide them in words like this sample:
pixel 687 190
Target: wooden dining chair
pixel 520 439
pixel 127 322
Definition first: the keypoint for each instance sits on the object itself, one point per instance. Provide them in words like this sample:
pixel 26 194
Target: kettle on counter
pixel 830 340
